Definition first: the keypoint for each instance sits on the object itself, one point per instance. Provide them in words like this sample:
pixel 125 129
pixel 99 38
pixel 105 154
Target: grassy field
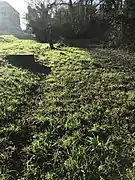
pixel 78 123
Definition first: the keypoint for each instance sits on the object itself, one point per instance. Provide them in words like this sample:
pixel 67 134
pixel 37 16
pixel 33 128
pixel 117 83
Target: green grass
pixel 78 123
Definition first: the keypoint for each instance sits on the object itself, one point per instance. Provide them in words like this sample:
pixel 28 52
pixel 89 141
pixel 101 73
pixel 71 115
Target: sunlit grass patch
pixel 75 123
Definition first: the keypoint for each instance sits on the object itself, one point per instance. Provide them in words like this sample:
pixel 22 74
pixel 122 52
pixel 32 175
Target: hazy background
pixel 21 7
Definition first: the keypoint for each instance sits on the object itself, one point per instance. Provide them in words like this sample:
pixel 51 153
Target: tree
pixel 68 18
pixel 83 19
pixel 39 18
pixel 129 22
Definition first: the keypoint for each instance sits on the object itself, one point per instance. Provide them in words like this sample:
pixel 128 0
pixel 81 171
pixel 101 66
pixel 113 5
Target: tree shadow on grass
pixel 28 62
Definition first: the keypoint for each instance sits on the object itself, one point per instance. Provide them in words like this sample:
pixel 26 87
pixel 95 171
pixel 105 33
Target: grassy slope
pixel 76 123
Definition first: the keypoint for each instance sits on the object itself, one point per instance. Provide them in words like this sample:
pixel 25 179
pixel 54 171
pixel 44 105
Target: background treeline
pixel 110 22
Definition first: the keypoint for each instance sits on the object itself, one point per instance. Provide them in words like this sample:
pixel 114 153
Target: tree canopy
pixel 104 20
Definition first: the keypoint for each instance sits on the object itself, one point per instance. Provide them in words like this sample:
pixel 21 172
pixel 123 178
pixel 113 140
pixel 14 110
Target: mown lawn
pixel 78 123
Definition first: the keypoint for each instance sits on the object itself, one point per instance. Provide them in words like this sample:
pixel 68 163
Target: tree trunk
pixel 51 45
pixel 50 41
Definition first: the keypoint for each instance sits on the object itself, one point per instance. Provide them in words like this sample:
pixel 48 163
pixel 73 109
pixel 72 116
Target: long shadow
pixel 28 62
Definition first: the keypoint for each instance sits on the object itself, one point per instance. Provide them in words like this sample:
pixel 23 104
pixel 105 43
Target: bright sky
pixel 21 7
